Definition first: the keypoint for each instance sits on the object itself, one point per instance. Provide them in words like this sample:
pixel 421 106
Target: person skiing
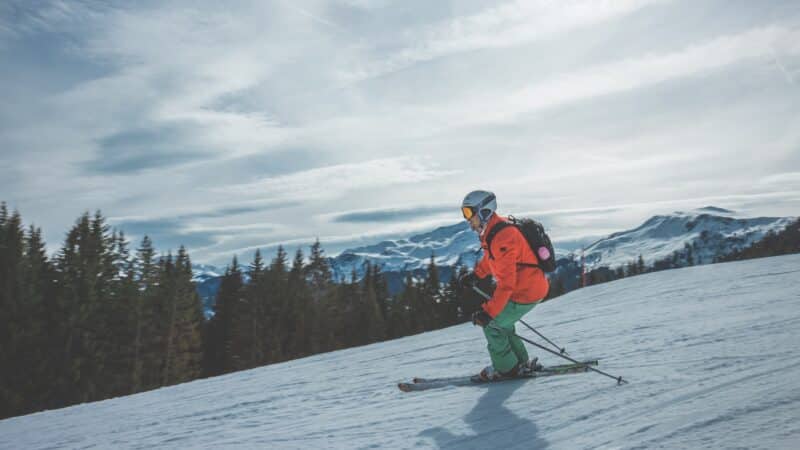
pixel 520 285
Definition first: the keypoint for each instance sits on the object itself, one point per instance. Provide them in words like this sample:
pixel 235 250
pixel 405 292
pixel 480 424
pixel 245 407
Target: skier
pixel 519 286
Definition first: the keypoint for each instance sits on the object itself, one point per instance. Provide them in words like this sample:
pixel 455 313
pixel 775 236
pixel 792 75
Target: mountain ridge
pixel 710 232
pixel 656 237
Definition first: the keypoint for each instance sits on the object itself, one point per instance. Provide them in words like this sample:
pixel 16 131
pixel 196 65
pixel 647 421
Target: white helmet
pixel 482 203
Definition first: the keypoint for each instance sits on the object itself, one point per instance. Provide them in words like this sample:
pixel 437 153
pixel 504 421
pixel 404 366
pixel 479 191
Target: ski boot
pixel 531 365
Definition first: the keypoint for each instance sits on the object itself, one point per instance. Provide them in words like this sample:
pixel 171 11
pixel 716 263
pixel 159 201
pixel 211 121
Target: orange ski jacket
pixel 523 284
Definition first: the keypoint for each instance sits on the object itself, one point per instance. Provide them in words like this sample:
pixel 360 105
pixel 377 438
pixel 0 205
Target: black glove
pixel 468 279
pixel 481 318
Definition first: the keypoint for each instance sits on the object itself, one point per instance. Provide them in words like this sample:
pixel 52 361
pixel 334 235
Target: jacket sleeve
pixel 506 254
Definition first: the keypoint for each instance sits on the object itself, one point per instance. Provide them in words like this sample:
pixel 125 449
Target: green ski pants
pixel 506 349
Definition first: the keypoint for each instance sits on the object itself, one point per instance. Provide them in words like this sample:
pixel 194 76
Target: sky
pixel 235 127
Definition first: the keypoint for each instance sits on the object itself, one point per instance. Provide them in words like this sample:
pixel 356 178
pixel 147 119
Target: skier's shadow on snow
pixel 493 425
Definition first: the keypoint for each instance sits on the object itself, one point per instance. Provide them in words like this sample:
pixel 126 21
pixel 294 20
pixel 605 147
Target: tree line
pixel 293 309
pixel 99 320
pixel 93 322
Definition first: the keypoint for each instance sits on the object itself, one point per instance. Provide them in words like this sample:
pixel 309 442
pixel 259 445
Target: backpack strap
pixel 493 232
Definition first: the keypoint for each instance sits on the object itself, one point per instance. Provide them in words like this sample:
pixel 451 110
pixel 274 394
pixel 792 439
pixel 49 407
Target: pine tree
pixel 242 346
pixel 120 313
pixel 145 319
pixel 83 274
pixel 318 270
pixel 459 295
pixel 167 294
pixel 407 314
pixel 630 269
pixel 556 287
pixel 187 345
pixel 371 319
pixel 12 328
pixel 321 308
pixel 40 324
pixel 347 318
pixel 301 312
pixel 257 298
pixel 382 293
pixel 431 305
pixel 227 317
pixel 279 315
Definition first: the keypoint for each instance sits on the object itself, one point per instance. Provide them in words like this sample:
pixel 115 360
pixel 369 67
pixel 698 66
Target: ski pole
pixel 619 379
pixel 562 350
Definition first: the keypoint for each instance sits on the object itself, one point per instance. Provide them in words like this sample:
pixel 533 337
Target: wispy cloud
pixel 136 150
pixel 506 25
pixel 629 74
pixel 392 214
pixel 168 233
pixel 335 181
pixel 790 180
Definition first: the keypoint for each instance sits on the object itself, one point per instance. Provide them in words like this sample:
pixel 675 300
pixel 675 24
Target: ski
pixel 556 368
pixel 422 384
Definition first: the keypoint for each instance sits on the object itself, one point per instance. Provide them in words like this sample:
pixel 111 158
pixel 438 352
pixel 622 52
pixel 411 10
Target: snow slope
pixel 710 351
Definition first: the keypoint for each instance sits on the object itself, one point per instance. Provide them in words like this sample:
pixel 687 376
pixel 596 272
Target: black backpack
pixel 537 238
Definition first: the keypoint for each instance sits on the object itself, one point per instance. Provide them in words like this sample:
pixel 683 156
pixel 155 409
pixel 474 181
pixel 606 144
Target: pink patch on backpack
pixel 543 253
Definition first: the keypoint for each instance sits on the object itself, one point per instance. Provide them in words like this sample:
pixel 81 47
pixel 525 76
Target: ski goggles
pixel 468 212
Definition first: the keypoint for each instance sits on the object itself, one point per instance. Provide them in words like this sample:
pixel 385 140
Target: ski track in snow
pixel 710 353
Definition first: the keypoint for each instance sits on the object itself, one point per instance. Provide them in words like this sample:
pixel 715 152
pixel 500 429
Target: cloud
pixel 784 180
pixel 168 233
pixel 392 214
pixel 225 211
pixel 197 230
pixel 626 75
pixel 506 25
pixel 335 181
pixel 18 19
pixel 136 150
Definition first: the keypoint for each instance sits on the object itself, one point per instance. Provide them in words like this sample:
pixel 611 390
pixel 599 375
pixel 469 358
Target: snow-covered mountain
pixel 710 232
pixel 710 352
pixel 713 231
pixel 449 245
pixel 203 272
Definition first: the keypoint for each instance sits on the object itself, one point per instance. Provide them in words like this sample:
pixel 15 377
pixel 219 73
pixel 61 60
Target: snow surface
pixel 710 351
